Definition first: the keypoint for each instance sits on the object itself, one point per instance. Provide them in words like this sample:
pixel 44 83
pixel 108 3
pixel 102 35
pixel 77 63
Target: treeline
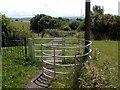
pixel 41 22
pixel 104 26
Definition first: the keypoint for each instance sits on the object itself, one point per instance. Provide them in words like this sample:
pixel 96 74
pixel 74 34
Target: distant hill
pixel 21 19
pixel 73 17
pixel 29 18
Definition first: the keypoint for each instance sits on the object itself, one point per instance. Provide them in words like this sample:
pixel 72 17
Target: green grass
pixel 21 25
pixel 17 71
pixel 105 55
pixel 104 60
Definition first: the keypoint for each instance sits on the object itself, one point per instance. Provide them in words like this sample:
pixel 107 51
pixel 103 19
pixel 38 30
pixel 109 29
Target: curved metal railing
pixel 60 53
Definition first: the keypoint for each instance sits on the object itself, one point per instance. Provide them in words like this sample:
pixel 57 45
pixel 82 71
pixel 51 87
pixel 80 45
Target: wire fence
pixel 16 47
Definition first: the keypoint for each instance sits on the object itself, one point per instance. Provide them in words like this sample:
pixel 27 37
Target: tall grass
pixel 99 72
pixel 17 71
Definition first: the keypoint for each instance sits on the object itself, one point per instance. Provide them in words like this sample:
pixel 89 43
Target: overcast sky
pixel 28 8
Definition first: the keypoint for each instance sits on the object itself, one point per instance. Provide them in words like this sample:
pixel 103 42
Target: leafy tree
pixel 65 27
pixel 104 26
pixel 74 25
pixel 9 32
pixel 34 22
pixel 5 28
pixel 96 20
pixel 43 24
pixel 54 23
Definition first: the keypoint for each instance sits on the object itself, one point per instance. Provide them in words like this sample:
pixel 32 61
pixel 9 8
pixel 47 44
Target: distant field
pixel 21 25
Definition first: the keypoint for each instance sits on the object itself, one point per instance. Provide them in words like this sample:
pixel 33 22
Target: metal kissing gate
pixel 59 55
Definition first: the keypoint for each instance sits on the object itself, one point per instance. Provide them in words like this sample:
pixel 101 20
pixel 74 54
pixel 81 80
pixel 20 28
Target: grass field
pixel 17 71
pixel 105 55
pixel 21 25
pixel 103 67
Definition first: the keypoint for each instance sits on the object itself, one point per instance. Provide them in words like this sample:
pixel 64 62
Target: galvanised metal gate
pixel 60 55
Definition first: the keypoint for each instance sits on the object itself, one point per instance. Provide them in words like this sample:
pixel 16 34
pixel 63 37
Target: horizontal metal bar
pixel 55 72
pixel 48 70
pixel 61 65
pixel 47 50
pixel 49 61
pixel 58 38
pixel 47 75
pixel 66 65
pixel 41 56
pixel 64 73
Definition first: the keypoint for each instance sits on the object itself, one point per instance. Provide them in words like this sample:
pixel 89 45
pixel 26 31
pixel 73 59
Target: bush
pixel 104 26
pixel 65 27
pixel 74 25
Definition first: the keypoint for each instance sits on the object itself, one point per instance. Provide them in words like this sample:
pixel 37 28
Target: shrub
pixel 65 27
pixel 74 25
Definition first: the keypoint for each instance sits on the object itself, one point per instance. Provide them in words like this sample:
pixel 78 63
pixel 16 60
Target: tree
pixel 43 24
pixel 16 20
pixel 104 26
pixel 96 18
pixel 7 30
pixel 34 22
pixel 74 25
pixel 54 23
pixel 5 27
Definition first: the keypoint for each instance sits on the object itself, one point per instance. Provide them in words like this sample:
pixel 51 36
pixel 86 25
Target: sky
pixel 55 8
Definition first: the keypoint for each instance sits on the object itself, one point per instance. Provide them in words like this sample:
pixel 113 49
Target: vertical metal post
pixel 87 26
pixel 63 48
pixel 42 57
pixel 79 45
pixel 75 56
pixel 54 60
pixel 30 47
pixel 25 44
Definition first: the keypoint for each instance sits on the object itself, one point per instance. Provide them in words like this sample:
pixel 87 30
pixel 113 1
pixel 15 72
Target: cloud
pixel 18 8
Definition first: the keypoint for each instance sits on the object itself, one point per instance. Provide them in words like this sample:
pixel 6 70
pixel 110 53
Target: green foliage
pixel 11 32
pixel 61 82
pixel 81 26
pixel 54 23
pixel 65 27
pixel 104 26
pixel 6 29
pixel 74 25
pixel 41 22
pixel 34 22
